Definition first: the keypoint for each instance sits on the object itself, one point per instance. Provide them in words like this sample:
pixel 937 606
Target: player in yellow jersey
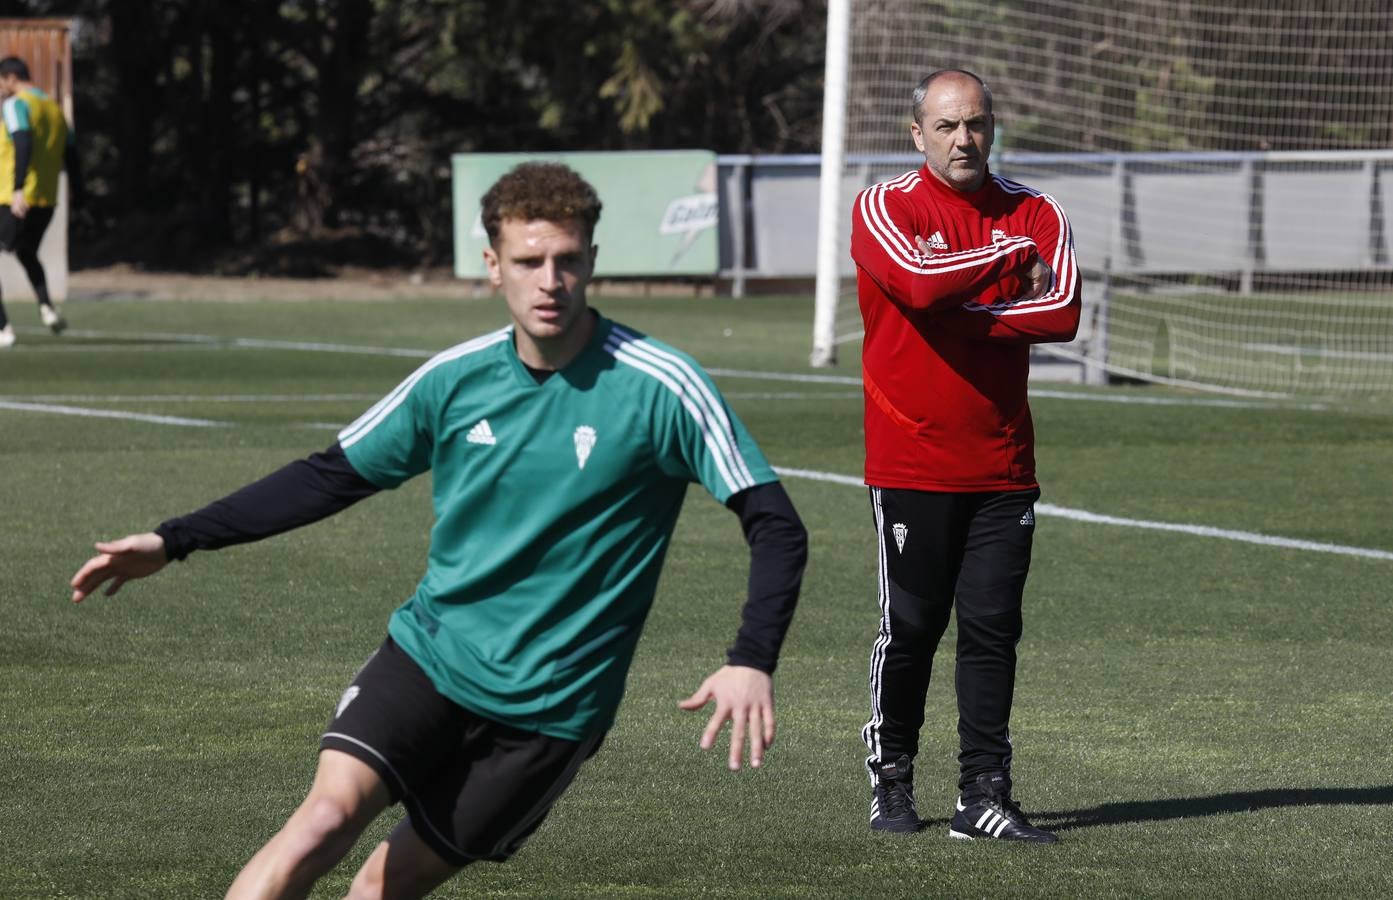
pixel 35 146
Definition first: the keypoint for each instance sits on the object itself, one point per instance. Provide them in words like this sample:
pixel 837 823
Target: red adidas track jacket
pixel 946 353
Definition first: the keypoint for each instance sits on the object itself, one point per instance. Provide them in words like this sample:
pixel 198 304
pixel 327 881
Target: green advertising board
pixel 659 213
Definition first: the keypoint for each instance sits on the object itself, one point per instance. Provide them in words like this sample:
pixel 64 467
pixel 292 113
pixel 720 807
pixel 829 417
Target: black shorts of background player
pixel 22 237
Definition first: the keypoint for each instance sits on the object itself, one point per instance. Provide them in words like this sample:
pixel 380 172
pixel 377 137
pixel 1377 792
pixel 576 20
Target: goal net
pixel 1226 166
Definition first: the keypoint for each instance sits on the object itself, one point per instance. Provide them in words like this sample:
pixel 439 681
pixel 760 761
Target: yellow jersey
pixel 33 110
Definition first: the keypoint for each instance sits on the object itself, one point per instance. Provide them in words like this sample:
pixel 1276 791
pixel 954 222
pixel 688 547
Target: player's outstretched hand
pixel 133 556
pixel 745 698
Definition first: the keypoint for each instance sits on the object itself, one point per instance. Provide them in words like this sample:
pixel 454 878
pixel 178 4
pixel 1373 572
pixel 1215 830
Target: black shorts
pixel 19 235
pixel 474 788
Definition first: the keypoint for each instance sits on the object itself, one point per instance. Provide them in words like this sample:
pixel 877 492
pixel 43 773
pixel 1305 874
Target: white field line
pixel 812 475
pixel 794 377
pixel 799 377
pixel 191 398
pixel 331 348
pixel 128 338
pixel 209 340
pixel 1079 515
pixel 31 401
pixel 1321 352
pixel 111 414
pixel 1065 353
pixel 1247 537
pixel 213 342
pixel 124 347
pixel 1171 401
pixel 131 335
pixel 1044 509
pixel 792 395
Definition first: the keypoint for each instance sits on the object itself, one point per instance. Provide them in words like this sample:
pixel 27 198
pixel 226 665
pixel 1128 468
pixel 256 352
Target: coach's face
pixel 543 268
pixel 954 131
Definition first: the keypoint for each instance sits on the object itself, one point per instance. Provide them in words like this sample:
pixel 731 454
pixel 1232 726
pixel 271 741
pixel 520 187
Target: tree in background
pixel 265 134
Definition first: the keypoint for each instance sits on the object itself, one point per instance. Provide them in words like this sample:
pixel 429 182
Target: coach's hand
pixel 1039 278
pixel 18 205
pixel 133 556
pixel 744 697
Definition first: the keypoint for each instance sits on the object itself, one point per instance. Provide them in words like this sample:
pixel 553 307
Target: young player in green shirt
pixel 560 449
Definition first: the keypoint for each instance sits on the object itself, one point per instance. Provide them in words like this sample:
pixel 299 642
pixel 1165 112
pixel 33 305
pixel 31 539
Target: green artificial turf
pixel 1198 716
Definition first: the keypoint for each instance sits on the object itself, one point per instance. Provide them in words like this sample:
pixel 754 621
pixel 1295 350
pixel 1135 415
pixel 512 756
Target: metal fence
pixel 1236 214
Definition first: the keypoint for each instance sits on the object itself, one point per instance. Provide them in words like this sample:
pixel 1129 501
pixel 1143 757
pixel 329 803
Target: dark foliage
pixel 293 135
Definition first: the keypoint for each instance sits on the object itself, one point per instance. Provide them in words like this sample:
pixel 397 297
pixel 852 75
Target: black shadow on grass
pixel 1218 804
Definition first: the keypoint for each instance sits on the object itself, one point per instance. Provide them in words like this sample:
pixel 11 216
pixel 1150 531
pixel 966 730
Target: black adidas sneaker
pixel 991 813
pixel 892 802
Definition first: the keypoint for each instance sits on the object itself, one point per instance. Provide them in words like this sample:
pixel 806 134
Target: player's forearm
pixel 297 494
pixel 24 152
pixel 778 552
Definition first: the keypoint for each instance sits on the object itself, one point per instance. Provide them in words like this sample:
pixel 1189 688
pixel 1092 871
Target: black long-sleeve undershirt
pixel 24 152
pixel 302 492
pixel 778 551
pixel 315 488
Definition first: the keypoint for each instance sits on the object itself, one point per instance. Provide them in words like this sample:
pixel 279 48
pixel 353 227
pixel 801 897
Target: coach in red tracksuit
pixel 958 272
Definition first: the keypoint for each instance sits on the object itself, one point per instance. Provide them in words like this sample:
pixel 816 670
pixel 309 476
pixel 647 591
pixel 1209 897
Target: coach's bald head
pixel 954 127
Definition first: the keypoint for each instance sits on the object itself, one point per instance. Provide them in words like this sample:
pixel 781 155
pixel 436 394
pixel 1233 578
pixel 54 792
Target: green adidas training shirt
pixel 554 504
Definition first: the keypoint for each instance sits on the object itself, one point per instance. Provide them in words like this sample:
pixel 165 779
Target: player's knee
pixel 375 882
pixel 366 887
pixel 326 821
pixel 368 884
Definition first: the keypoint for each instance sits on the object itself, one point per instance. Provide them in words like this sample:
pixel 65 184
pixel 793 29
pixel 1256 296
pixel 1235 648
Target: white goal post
pixel 829 211
pixel 1226 166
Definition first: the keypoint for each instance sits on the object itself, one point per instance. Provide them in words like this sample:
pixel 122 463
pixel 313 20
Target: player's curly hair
pixel 548 191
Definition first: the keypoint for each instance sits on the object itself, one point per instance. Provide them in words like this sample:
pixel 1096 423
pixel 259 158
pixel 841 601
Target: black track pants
pixel 938 550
